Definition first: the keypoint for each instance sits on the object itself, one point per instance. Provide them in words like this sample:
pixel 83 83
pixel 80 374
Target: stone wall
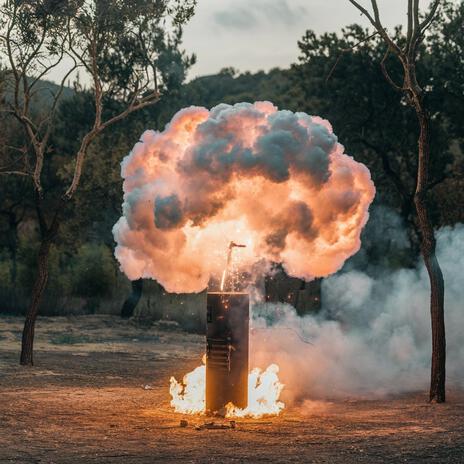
pixel 187 309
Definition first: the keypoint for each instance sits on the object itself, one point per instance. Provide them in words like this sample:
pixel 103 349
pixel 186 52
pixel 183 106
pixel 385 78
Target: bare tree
pixel 36 37
pixel 407 54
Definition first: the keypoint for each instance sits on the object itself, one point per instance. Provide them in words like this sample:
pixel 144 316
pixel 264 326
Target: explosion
pixel 276 184
pixel 276 181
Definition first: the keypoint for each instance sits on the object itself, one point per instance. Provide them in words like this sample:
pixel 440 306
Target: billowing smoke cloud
pixel 274 180
pixel 379 338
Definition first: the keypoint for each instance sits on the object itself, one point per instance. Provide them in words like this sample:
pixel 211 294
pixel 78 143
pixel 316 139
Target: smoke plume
pixel 276 181
pixel 378 340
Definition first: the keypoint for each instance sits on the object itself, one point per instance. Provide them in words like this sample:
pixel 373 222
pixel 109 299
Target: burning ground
pixel 98 393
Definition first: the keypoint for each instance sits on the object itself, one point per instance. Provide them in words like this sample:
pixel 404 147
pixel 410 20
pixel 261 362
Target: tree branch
pixel 429 18
pixel 410 25
pixel 14 173
pixel 375 21
pixel 364 12
pixel 90 136
pixel 416 28
pixel 385 72
pixel 346 50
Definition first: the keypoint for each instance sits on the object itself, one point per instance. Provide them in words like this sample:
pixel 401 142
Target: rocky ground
pixel 98 393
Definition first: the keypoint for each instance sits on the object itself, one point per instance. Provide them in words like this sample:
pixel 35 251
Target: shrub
pixel 5 270
pixel 27 268
pixel 93 272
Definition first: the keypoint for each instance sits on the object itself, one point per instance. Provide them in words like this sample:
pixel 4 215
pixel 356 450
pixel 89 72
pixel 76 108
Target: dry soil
pixel 98 393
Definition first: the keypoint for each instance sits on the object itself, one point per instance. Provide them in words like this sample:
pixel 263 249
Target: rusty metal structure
pixel 227 346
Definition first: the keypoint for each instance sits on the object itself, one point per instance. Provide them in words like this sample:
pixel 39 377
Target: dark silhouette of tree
pixel 406 50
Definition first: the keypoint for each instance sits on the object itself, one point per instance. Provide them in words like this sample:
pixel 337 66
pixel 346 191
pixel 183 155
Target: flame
pixel 188 396
pixel 264 389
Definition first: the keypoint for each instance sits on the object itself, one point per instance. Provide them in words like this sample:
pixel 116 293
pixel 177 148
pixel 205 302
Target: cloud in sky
pixel 281 11
pixel 237 18
pixel 247 15
pixel 262 34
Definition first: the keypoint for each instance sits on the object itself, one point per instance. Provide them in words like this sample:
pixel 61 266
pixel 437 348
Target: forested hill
pixel 228 86
pixel 44 92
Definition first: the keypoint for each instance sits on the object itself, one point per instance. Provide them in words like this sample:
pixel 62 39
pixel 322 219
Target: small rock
pixel 183 423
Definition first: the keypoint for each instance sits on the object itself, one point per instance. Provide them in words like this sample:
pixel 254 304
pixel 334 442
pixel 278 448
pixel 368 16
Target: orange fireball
pixel 276 181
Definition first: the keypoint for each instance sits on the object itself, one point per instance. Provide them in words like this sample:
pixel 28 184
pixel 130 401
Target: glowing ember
pixel 264 389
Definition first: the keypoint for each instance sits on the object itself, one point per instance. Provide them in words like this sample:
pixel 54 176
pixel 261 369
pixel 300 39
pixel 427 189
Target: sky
pixel 252 35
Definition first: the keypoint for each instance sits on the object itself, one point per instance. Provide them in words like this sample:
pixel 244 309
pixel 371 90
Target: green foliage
pixel 5 270
pixel 37 25
pixel 368 115
pixel 136 44
pixel 58 281
pixel 93 272
pixel 230 87
pixel 131 53
pixel 445 51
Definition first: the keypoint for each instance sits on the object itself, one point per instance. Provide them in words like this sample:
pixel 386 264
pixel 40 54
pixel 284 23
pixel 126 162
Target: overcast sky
pixel 261 34
pixel 252 35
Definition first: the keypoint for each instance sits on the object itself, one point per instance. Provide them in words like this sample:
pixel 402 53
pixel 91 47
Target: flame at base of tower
pixel 264 389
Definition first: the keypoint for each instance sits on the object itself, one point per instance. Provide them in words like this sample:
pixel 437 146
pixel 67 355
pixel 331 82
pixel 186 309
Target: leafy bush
pixel 93 272
pixel 58 281
pixel 5 270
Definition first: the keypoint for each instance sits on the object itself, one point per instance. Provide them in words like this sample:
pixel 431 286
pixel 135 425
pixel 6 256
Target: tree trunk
pixel 33 309
pixel 40 283
pixel 428 246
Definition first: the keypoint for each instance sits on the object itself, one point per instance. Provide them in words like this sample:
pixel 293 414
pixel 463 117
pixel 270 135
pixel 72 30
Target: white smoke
pixel 379 339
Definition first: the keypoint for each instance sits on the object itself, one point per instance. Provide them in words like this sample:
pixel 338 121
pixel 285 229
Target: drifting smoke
pixel 380 342
pixel 274 180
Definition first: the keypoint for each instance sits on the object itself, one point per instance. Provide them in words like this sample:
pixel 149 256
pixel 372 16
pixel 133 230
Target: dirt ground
pixel 98 393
